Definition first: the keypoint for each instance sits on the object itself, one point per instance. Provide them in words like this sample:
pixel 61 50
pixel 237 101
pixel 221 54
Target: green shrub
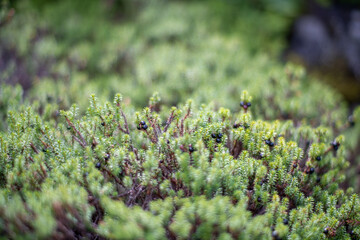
pixel 187 172
pixel 10 99
pixel 276 171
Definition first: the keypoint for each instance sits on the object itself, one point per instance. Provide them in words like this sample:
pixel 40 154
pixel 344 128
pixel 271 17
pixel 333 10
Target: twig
pixel 328 150
pixel 134 196
pixel 78 140
pixel 183 120
pixel 92 135
pixel 169 121
pixel 34 148
pixel 43 170
pixel 77 131
pixel 125 120
pixel 154 128
pixel 154 140
pixel 117 180
pixel 121 129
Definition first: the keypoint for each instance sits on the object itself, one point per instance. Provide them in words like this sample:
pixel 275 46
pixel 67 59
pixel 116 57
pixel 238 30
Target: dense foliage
pixel 187 171
pixel 260 152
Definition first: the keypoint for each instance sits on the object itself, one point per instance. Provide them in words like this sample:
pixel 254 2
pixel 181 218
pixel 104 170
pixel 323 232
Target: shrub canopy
pixel 260 152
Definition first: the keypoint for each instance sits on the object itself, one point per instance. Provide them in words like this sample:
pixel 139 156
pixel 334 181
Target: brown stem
pixel 121 129
pixel 77 131
pixel 125 121
pixel 117 180
pixel 34 148
pixel 183 120
pixel 154 140
pixel 328 150
pixel 169 121
pixel 78 140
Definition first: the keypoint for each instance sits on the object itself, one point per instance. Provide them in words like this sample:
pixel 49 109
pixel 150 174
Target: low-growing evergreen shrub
pixel 187 172
pixel 268 164
pixel 10 99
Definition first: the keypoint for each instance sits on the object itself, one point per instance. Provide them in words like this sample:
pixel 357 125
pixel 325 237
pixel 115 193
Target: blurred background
pixel 100 40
